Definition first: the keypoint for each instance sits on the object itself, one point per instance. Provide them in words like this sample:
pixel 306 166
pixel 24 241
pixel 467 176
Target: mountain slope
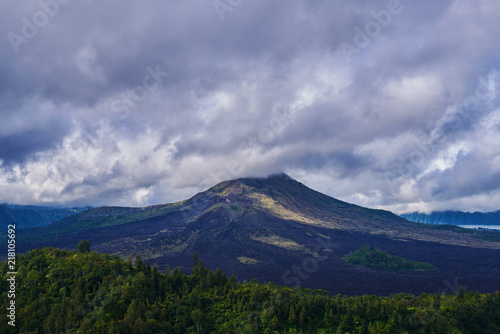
pixel 32 216
pixel 277 229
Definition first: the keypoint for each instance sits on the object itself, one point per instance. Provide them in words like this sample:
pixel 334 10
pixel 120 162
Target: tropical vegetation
pixel 61 291
pixel 373 257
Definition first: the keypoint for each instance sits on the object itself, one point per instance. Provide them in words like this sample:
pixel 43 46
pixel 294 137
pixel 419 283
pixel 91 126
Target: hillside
pixel 67 292
pixel 33 216
pixel 455 217
pixel 277 229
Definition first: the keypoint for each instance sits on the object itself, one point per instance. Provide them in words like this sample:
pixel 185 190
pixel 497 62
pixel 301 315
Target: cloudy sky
pixel 386 104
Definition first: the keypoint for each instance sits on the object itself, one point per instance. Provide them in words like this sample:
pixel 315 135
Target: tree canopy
pixel 375 258
pixel 84 246
pixel 61 291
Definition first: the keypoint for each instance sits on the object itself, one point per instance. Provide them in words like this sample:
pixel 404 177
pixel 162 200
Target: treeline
pixel 60 291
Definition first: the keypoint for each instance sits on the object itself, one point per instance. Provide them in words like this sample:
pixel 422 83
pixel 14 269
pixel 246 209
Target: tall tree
pixel 84 246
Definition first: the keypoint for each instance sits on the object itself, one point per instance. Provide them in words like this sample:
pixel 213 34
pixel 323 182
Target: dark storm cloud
pixel 17 147
pixel 89 111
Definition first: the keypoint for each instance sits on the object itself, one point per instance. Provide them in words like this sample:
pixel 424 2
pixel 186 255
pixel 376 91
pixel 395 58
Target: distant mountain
pixel 455 218
pixel 277 229
pixel 33 216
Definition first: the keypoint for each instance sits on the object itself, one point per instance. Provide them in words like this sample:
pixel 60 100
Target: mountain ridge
pixel 453 217
pixel 29 216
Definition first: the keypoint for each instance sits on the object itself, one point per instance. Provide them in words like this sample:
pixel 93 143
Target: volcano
pixel 277 229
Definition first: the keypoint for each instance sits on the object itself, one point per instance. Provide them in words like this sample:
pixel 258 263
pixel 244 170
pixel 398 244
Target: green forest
pixel 375 258
pixel 61 291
